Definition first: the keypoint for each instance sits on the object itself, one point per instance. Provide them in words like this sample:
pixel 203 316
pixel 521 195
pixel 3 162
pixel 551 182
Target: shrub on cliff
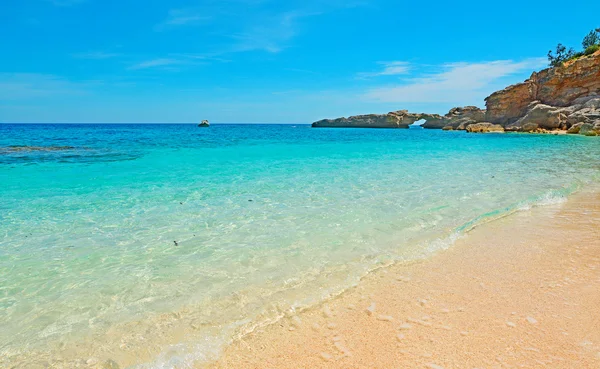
pixel 591 49
pixel 592 39
pixel 590 43
pixel 562 55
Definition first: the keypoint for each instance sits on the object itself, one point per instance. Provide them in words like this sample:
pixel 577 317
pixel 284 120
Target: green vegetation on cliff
pixel 590 43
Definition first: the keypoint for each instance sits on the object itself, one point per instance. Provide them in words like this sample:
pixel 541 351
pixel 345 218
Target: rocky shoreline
pixel 560 99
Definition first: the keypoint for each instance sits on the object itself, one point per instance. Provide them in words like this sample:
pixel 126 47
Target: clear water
pixel 156 244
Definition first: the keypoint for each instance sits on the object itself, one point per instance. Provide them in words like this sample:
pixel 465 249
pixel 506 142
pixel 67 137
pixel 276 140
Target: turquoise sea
pixel 155 245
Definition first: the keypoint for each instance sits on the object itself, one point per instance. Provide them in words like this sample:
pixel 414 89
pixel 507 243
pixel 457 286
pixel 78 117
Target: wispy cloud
pixel 183 17
pixel 271 34
pixel 455 82
pixel 14 86
pixel 96 55
pixel 251 25
pixel 389 69
pixel 160 62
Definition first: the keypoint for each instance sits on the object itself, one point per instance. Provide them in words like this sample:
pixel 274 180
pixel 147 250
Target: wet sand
pixel 519 292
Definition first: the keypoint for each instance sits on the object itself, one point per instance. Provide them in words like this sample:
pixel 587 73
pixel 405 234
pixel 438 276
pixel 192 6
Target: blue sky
pixel 268 61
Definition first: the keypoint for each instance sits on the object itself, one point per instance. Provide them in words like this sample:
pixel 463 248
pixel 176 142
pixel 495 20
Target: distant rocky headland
pixel 563 98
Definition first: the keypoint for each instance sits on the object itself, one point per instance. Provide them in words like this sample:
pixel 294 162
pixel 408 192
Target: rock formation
pixel 395 119
pixel 484 127
pixel 554 98
pixel 560 98
pixel 458 118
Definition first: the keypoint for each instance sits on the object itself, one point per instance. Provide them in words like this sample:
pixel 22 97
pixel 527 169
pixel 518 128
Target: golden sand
pixel 520 292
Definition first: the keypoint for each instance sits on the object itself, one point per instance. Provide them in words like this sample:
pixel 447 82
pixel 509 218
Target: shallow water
pixel 154 245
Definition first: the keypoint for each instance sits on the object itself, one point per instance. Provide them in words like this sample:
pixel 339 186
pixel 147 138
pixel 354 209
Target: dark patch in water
pixel 25 149
pixel 61 154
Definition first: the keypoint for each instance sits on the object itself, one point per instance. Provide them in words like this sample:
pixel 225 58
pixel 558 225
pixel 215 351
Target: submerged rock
pixel 35 148
pixel 110 364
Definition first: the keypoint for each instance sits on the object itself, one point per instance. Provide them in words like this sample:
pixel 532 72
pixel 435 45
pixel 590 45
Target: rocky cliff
pixel 554 98
pixel 561 98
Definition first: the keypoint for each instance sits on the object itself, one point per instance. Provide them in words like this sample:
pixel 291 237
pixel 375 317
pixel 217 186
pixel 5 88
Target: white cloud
pixel 249 25
pixel 270 34
pixel 392 68
pixel 457 82
pixel 154 63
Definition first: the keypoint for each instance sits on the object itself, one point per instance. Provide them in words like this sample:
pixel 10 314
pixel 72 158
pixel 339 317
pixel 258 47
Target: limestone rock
pixel 545 116
pixel 587 129
pixel 395 119
pixel 575 128
pixel 456 118
pixel 484 127
pixel 530 127
pixel 576 82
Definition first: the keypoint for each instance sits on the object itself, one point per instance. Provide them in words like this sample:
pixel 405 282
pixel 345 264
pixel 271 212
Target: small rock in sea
pixel 531 320
pixel 405 326
pixel 385 318
pixel 325 356
pixel 249 200
pixel 511 324
pixel 180 203
pixel 175 242
pixel 371 309
pixel 110 364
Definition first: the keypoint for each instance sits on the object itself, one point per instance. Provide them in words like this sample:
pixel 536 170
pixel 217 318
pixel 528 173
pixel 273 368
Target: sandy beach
pixel 519 292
